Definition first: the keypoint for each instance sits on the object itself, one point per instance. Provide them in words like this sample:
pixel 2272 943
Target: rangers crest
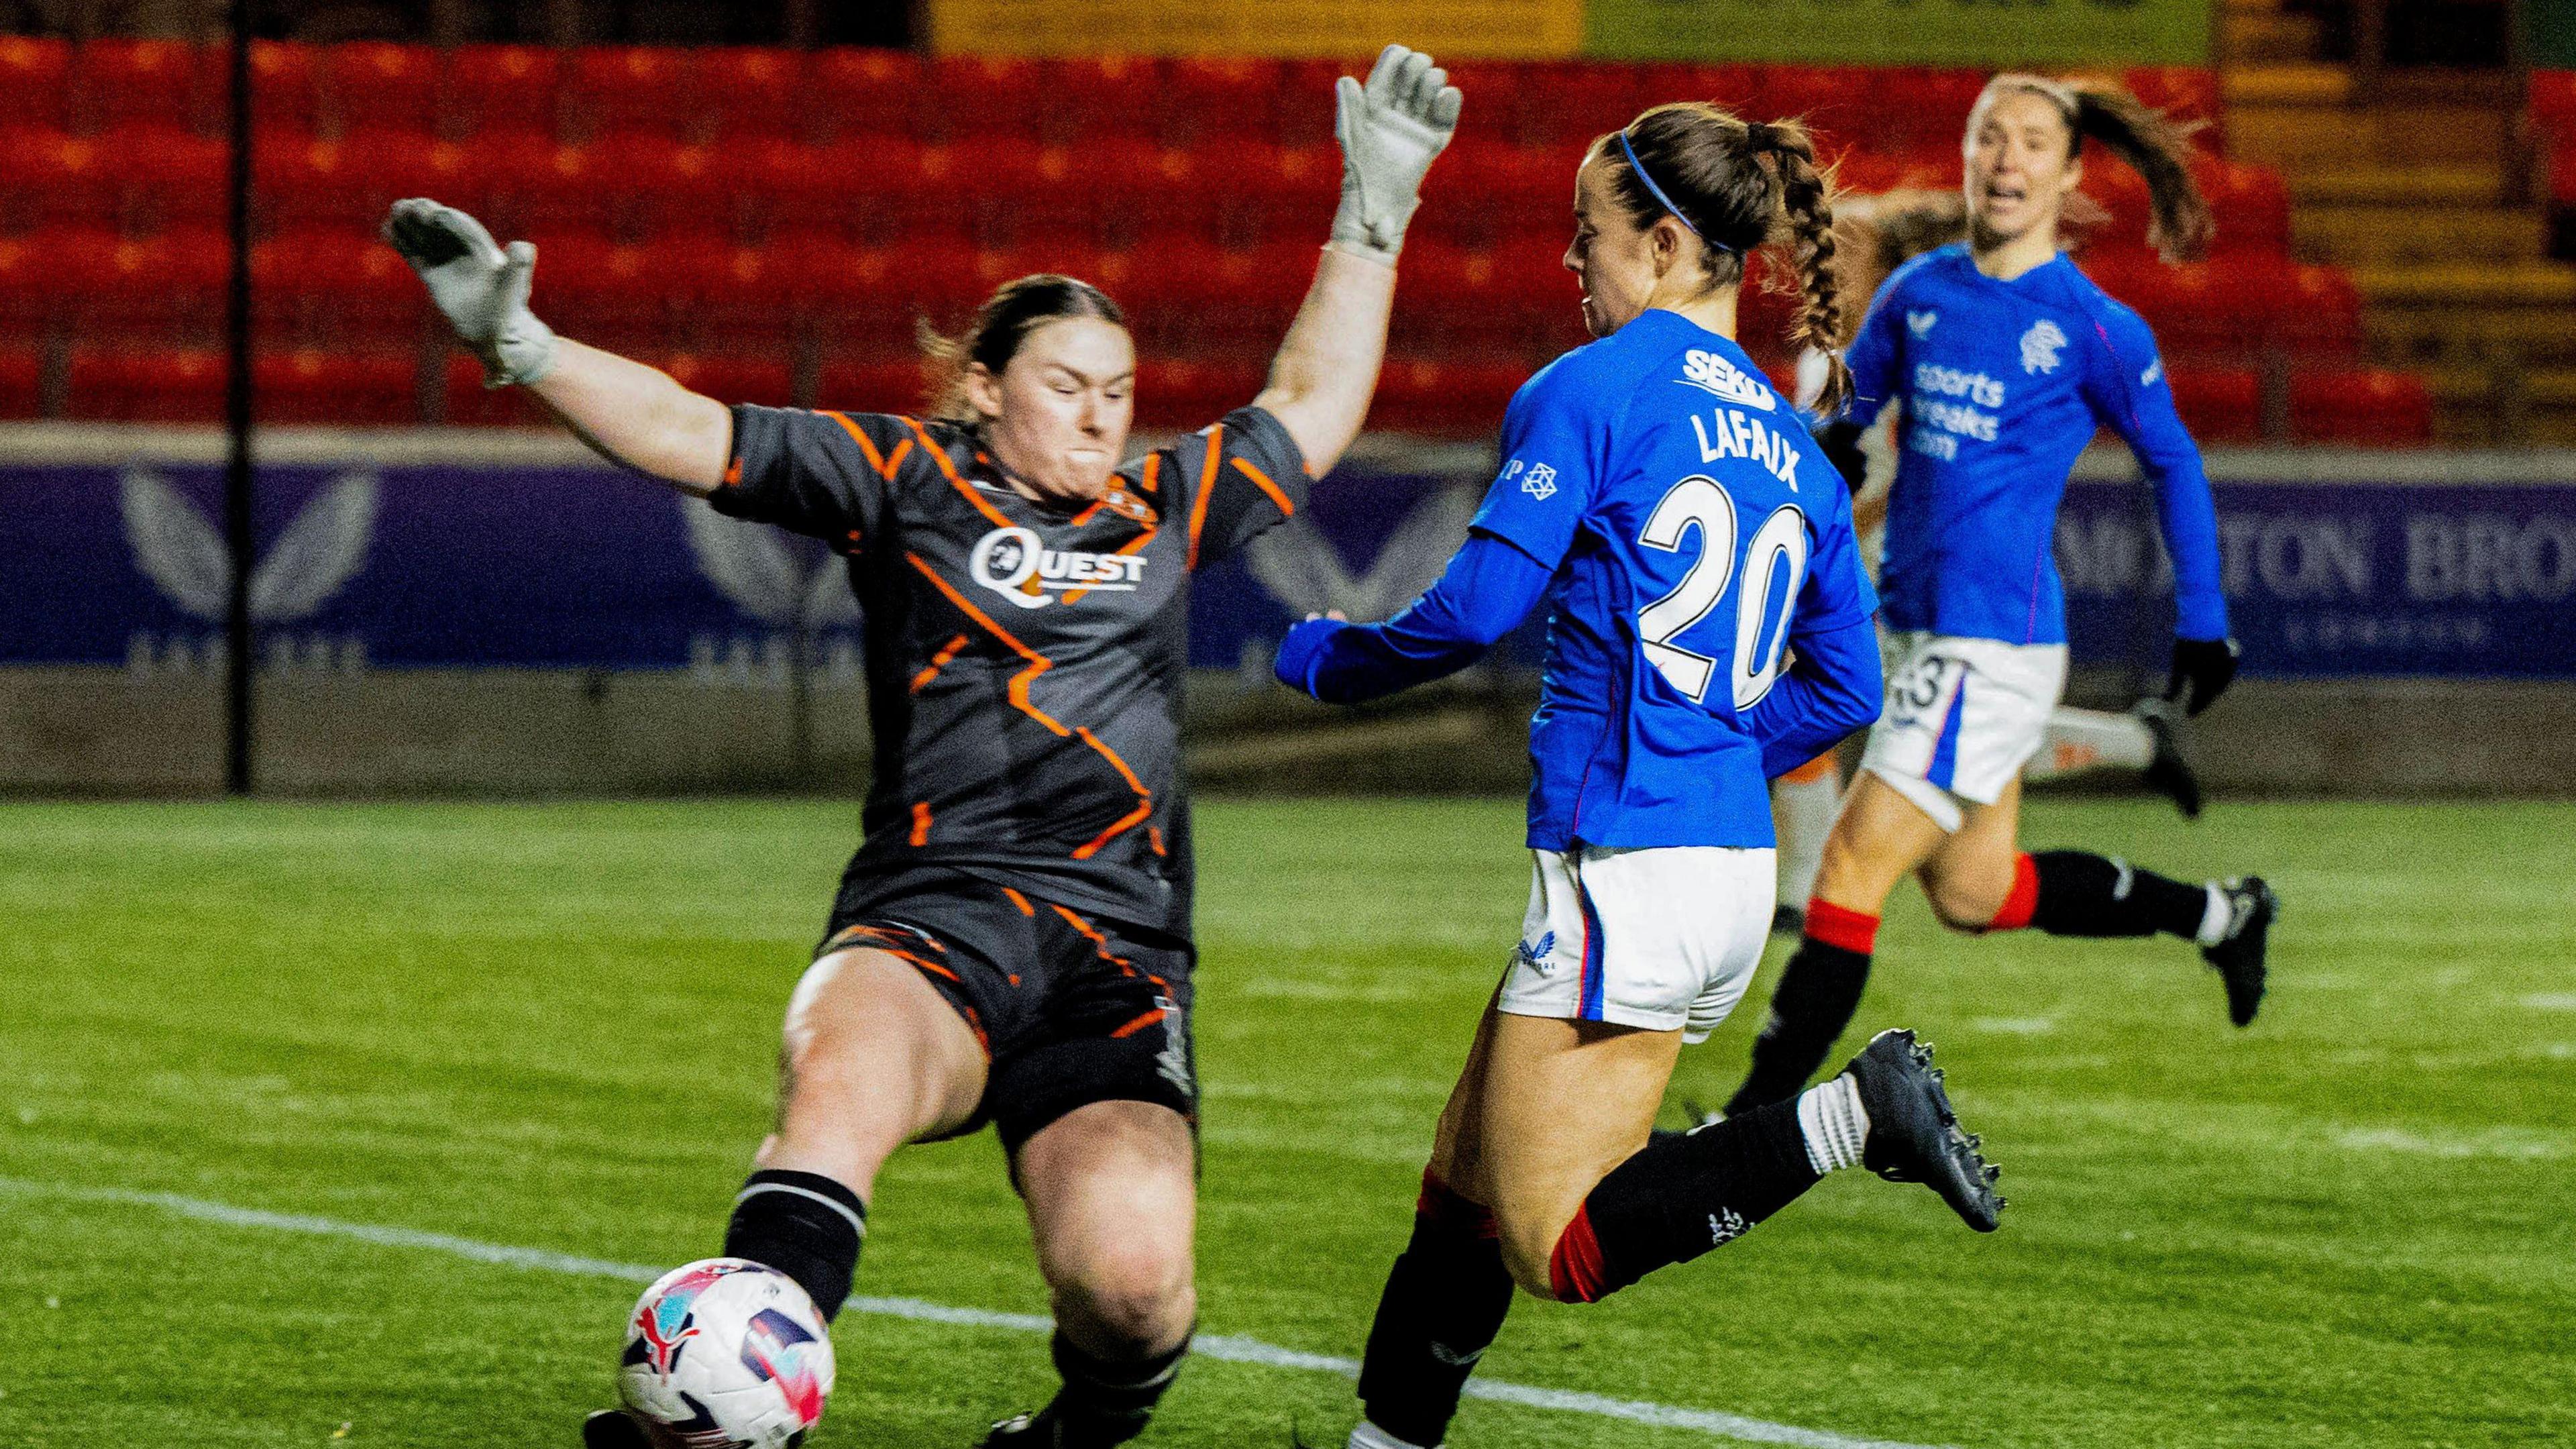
pixel 2039 346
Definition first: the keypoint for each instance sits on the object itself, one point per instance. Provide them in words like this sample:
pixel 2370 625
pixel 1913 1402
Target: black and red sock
pixel 2077 893
pixel 1680 1196
pixel 1445 1300
pixel 1818 994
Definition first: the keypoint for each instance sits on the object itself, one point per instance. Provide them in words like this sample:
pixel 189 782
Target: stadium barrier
pixel 470 611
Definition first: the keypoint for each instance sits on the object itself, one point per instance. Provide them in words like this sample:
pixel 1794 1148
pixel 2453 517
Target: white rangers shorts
pixel 1962 716
pixel 1659 938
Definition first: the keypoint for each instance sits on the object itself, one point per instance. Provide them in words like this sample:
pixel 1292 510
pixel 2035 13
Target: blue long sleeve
pixel 2131 394
pixel 1831 689
pixel 1488 588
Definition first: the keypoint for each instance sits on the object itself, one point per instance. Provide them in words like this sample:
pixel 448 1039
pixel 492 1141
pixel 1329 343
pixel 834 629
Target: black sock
pixel 806 1226
pixel 2082 894
pixel 1445 1300
pixel 1679 1197
pixel 1105 1403
pixel 1819 991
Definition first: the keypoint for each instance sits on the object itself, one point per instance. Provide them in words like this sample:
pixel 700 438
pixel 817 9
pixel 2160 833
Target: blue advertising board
pixel 453 564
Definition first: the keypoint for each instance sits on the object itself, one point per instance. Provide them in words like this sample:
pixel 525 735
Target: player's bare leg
pixel 2146 738
pixel 871 1057
pixel 1563 1187
pixel 1113 1203
pixel 1804 803
pixel 1880 837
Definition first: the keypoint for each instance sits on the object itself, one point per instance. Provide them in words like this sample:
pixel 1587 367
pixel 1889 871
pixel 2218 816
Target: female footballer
pixel 1877 235
pixel 2007 359
pixel 1011 943
pixel 1710 627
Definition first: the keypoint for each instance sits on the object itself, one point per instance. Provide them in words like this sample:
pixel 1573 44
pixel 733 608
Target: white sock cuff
pixel 1370 1436
pixel 2216 916
pixel 1834 1124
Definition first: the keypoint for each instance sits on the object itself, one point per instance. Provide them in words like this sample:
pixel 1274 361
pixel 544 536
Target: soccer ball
pixel 726 1354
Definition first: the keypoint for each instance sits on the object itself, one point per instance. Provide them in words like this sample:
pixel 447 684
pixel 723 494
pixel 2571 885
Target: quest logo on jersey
pixel 1016 564
pixel 1711 373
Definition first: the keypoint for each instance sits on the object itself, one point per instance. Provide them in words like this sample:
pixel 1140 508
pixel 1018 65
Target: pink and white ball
pixel 726 1354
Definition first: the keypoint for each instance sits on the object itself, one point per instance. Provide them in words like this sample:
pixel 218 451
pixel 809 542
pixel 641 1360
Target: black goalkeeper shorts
pixel 1071 1010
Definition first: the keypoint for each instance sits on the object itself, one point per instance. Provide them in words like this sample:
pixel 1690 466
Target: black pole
pixel 240 666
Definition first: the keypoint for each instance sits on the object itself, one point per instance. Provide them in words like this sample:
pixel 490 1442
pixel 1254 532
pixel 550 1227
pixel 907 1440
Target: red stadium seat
pixel 1181 394
pixel 286 84
pixel 1267 194
pixel 2562 170
pixel 731 379
pixel 1838 102
pixel 1565 104
pixel 602 292
pixel 1240 97
pixel 974 97
pixel 1216 302
pixel 1088 99
pixel 300 181
pixel 338 389
pixel 163 290
pixel 466 403
pixel 1444 398
pixel 2553 97
pixel 1480 193
pixel 500 88
pixel 864 302
pixel 106 385
pixel 377 87
pixel 1302 110
pixel 22 378
pixel 726 298
pixel 1922 109
pixel 2219 404
pixel 1513 301
pixel 31 290
pixel 35 82
pixel 898 385
pixel 1733 87
pixel 2186 93
pixel 149 82
pixel 668 189
pixel 751 92
pixel 335 289
pixel 630 88
pixel 791 188
pixel 50 179
pixel 859 92
pixel 540 185
pixel 2317 315
pixel 1142 192
pixel 2365 406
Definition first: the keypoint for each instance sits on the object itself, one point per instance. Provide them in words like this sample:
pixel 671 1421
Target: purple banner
pixel 412 566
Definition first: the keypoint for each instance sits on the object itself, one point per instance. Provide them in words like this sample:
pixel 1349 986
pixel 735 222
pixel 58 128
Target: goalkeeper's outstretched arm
pixel 638 417
pixel 635 416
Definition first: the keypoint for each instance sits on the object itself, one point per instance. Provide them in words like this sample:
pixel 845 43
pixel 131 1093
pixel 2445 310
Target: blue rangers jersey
pixel 2002 384
pixel 1696 536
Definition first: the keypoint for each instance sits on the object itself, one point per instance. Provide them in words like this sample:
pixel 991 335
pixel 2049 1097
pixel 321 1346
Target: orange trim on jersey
pixel 938 662
pixel 1133 545
pixel 940 455
pixel 1098 941
pixel 884 465
pixel 1154 837
pixel 1139 1024
pixel 1085 516
pixel 1038 663
pixel 1025 909
pixel 920 822
pixel 733 470
pixel 1130 820
pixel 1262 481
pixel 1150 480
pixel 1207 484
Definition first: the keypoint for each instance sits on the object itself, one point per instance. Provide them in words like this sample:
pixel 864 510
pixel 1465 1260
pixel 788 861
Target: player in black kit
pixel 1011 943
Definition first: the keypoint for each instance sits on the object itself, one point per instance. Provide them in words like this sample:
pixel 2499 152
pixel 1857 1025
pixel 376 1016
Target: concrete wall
pixel 94 730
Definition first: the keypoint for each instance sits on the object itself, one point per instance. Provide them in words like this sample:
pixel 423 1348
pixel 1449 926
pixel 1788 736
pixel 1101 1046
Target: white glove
pixel 1390 130
pixel 480 288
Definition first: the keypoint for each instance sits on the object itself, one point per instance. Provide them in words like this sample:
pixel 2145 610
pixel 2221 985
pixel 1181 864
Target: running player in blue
pixel 1709 627
pixel 2005 360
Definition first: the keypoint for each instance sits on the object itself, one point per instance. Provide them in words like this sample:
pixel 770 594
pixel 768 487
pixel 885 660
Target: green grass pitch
pixel 553 1026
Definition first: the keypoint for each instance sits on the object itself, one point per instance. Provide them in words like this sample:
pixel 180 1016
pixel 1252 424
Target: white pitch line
pixel 1225 1347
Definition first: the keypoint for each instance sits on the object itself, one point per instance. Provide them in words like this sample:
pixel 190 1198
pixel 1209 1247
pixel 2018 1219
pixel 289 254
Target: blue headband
pixel 1657 192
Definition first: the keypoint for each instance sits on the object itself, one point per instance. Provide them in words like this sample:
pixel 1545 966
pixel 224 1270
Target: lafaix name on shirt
pixel 1949 402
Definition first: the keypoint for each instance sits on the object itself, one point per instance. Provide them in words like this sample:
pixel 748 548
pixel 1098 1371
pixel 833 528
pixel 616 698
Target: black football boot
pixel 1914 1136
pixel 613 1429
pixel 2238 956
pixel 2169 773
